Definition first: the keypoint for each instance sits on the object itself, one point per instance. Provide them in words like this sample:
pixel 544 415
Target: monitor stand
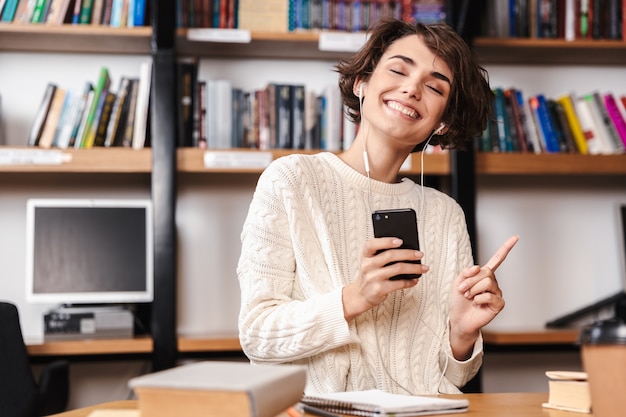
pixel 88 322
pixel 613 306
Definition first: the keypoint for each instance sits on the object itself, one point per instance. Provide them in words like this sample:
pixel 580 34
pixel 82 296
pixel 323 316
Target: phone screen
pixel 400 223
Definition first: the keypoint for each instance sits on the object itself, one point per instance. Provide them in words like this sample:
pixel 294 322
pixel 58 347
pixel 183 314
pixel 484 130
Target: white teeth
pixel 396 106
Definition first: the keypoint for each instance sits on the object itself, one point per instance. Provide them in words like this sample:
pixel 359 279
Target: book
pixel 125 136
pixel 574 124
pixel 606 120
pixel 140 129
pixel 605 141
pixel 118 112
pixel 42 114
pixel 102 86
pixel 52 120
pixel 8 13
pixel 377 403
pixel 568 391
pixel 549 140
pixel 218 388
pixel 618 119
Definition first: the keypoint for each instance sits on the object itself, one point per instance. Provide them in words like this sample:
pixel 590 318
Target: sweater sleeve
pixel 279 320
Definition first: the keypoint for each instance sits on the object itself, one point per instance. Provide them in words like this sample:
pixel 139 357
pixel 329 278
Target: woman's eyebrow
pixel 410 61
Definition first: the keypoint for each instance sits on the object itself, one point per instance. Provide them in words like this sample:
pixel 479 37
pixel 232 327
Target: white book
pixel 585 117
pixel 333 117
pixel 142 107
pixel 219 114
pixel 604 139
pixel 220 389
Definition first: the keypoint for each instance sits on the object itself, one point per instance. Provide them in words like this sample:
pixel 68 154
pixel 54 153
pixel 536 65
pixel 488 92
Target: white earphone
pixel 440 129
pixel 361 90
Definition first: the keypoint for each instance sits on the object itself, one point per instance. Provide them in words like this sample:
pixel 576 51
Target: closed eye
pixel 436 90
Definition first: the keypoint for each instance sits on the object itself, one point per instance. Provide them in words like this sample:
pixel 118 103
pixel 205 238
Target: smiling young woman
pixel 315 283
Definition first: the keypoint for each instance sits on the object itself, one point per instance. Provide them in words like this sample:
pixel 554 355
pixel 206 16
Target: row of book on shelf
pixel 113 13
pixel 562 19
pixel 590 123
pixel 97 115
pixel 215 114
pixel 290 15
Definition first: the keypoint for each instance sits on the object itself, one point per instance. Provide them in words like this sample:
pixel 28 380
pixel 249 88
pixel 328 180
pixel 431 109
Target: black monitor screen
pixel 92 251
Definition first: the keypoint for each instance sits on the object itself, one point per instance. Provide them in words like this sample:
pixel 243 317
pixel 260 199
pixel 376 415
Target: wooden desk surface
pixel 483 405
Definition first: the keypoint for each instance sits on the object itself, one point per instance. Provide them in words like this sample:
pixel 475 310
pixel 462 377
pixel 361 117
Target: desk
pixel 483 405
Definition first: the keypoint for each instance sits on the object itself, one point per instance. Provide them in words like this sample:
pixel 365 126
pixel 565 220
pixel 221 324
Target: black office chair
pixel 20 394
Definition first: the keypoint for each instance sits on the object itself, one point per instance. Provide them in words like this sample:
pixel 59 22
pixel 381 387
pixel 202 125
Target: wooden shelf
pixel 136 345
pixel 191 160
pixel 521 51
pixel 549 164
pixel 538 336
pixel 91 347
pixel 294 45
pixel 96 160
pixel 74 39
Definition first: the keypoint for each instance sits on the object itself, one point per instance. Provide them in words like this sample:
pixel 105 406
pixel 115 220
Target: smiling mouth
pixel 394 105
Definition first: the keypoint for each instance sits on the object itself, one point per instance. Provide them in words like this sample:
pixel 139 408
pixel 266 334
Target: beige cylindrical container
pixel 604 360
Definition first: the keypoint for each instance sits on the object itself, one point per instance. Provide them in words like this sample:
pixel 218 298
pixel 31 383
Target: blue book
pixel 544 121
pixel 8 14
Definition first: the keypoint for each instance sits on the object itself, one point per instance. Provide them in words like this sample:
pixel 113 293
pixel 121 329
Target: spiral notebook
pixel 377 403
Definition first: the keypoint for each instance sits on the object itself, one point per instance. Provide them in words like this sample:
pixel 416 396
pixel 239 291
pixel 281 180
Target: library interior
pixel 133 134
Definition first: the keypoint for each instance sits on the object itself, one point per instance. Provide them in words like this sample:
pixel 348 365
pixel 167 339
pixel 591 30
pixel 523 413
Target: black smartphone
pixel 400 223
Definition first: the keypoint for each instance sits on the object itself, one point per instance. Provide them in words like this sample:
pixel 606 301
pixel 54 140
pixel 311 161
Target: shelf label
pixel 219 35
pixel 33 157
pixel 341 41
pixel 239 159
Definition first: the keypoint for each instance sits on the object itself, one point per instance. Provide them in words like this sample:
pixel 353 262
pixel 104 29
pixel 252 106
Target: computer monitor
pixel 89 251
pixel 615 303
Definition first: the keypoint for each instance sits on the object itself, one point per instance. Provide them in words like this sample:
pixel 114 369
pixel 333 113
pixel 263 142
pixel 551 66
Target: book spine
pixel 8 13
pixel 103 84
pixel 543 116
pixel 37 15
pixel 297 116
pixel 604 137
pixel 504 144
pixel 54 113
pixel 574 124
pixel 616 116
pixel 85 12
pixel 105 116
pixel 606 120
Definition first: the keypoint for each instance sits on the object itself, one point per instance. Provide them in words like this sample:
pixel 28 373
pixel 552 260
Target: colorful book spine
pixel 85 12
pixel 504 143
pixel 572 118
pixel 540 106
pixel 8 13
pixel 616 116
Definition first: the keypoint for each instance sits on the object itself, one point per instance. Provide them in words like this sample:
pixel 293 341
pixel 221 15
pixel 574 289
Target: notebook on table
pixel 377 403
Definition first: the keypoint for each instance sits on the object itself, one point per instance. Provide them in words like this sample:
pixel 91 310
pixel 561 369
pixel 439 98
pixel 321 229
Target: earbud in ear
pixel 440 129
pixel 361 90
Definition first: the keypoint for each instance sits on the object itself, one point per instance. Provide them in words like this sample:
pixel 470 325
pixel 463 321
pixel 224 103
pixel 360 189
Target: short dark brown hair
pixel 469 105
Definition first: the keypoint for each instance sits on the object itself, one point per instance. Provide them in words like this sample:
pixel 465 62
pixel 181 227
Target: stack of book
pixel 568 391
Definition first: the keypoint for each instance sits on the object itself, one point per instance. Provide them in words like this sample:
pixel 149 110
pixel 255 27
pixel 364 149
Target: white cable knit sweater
pixel 302 242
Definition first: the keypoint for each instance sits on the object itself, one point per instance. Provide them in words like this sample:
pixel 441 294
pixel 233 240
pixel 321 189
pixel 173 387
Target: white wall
pixel 567 256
